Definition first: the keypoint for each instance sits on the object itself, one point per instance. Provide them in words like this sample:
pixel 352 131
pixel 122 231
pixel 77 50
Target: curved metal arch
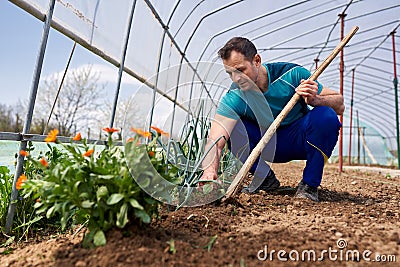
pixel 318 44
pixel 188 16
pixel 326 26
pixel 206 16
pixel 153 100
pixel 384 131
pixel 375 48
pixel 122 64
pixel 368 93
pixel 376 69
pixel 365 92
pixel 185 49
pixel 244 23
pixel 164 26
pixel 297 21
pixel 374 108
pixel 349 19
pixel 374 95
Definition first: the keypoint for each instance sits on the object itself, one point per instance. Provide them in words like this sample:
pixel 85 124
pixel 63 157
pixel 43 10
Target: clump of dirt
pixel 358 213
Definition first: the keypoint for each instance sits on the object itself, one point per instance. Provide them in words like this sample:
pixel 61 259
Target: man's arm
pixel 309 91
pixel 220 126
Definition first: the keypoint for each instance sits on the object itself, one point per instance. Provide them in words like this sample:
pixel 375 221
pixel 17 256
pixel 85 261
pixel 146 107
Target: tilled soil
pixel 357 223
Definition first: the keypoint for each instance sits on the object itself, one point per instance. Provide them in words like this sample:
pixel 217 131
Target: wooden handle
pixel 282 115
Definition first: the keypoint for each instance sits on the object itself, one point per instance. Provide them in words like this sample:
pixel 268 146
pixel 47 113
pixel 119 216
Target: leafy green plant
pixel 186 157
pixel 89 187
pixel 211 243
pixel 6 180
pixel 24 216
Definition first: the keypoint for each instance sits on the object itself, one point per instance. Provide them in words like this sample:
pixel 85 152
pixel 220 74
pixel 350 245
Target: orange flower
pixel 151 153
pixel 24 153
pixel 52 136
pixel 77 137
pixel 88 153
pixel 110 130
pixel 131 139
pixel 44 162
pixel 159 131
pixel 141 132
pixel 20 181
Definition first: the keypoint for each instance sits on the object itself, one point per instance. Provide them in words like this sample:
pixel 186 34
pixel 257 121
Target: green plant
pixel 24 216
pixel 94 190
pixel 211 243
pixel 6 180
pixel 187 155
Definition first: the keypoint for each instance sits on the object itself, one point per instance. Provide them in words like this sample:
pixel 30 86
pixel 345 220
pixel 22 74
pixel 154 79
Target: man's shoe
pixel 269 184
pixel 306 191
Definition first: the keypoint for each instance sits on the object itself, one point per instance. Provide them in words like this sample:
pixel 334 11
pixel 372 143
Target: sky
pixel 21 35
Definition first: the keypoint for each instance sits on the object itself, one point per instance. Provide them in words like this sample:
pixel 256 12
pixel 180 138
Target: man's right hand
pixel 208 174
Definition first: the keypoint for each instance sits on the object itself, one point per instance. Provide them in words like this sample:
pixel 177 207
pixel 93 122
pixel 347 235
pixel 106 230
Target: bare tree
pixel 77 104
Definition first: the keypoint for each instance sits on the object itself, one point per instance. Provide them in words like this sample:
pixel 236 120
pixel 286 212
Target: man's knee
pixel 325 120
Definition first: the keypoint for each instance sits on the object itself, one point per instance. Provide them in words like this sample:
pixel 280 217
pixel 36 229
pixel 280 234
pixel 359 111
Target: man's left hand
pixel 308 90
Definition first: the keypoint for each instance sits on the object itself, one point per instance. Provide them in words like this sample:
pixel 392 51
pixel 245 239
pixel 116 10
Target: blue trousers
pixel 311 138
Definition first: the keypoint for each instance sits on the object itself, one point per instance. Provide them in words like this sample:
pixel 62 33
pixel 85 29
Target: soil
pixel 358 212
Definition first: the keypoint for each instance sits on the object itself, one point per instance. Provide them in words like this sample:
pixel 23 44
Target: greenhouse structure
pixel 160 74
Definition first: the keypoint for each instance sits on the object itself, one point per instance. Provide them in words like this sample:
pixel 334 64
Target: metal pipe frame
pixel 39 15
pixel 121 67
pixel 28 120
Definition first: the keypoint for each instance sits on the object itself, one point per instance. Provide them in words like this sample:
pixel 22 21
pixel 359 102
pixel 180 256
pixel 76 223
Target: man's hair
pixel 239 44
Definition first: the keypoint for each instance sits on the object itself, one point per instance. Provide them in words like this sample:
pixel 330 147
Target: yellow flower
pixel 52 136
pixel 141 132
pixel 88 153
pixel 110 130
pixel 20 181
pixel 77 137
pixel 159 131
pixel 24 153
pixel 44 162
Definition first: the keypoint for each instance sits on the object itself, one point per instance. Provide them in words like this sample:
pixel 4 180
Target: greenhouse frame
pixel 168 51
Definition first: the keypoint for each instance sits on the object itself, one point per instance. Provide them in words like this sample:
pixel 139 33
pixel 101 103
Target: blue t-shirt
pixel 283 79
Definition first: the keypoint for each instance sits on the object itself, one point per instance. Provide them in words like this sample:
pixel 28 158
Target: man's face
pixel 241 71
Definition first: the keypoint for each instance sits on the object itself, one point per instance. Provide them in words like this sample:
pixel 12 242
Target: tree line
pixel 78 104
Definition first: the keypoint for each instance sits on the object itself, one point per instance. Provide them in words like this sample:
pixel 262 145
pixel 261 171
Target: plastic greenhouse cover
pixel 166 34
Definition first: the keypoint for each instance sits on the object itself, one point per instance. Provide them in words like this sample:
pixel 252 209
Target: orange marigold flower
pixel 131 139
pixel 77 137
pixel 159 131
pixel 141 132
pixel 24 153
pixel 88 153
pixel 20 181
pixel 151 153
pixel 52 136
pixel 44 162
pixel 110 130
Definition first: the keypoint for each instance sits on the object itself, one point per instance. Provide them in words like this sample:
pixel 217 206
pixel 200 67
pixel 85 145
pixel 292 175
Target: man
pixel 258 93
